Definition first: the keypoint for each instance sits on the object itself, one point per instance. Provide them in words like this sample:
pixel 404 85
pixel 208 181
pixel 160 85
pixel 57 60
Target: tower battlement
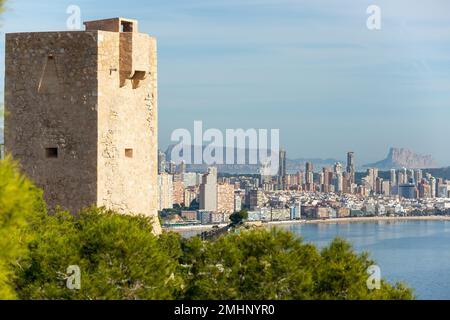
pixel 113 25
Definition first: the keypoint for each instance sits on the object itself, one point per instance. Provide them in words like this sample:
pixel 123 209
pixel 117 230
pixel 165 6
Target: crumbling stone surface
pixel 92 97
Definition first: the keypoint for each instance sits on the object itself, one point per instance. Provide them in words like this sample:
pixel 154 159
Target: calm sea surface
pixel 415 252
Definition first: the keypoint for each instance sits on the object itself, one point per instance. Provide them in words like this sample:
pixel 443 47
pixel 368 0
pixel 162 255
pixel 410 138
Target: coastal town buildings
pixel 325 194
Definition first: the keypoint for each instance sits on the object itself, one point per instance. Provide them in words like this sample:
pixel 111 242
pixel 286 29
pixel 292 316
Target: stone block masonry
pixel 82 115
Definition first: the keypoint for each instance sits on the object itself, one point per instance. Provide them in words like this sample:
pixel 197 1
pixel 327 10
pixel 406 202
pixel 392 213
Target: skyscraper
pixel 309 176
pixel 309 167
pixel 411 175
pixel 225 198
pixel 208 190
pixel 161 162
pixel 351 166
pixel 339 182
pixel 433 187
pixel 372 175
pixel 338 168
pixel 300 177
pixel 265 174
pixel 379 185
pixel 393 178
pixel 165 191
pixel 418 175
pixel 327 176
pixel 172 167
pixel 178 190
pixel 403 176
pixel 255 199
pixel 386 188
pixel 282 168
pixel 182 167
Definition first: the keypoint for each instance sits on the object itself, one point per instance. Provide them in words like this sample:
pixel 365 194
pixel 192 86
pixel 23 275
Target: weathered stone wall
pixel 127 120
pixel 51 102
pixel 93 96
pixel 112 24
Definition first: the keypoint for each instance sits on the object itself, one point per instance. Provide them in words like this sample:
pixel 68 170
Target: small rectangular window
pixel 129 153
pixel 126 26
pixel 51 152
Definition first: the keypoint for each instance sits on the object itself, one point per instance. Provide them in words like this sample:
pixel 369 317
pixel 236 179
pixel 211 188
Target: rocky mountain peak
pixel 402 157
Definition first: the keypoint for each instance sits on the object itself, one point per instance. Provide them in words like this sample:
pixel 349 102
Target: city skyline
pixel 396 158
pixel 253 65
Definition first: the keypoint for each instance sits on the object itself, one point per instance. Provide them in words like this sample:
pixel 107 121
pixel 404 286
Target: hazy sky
pixel 308 67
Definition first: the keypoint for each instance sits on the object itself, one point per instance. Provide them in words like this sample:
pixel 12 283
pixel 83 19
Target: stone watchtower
pixel 82 115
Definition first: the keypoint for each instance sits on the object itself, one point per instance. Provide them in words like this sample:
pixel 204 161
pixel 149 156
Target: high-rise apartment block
pixel 393 178
pixel 165 191
pixel 225 198
pixel 282 169
pixel 161 162
pixel 182 167
pixel 351 166
pixel 255 199
pixel 338 168
pixel 208 190
pixel 178 192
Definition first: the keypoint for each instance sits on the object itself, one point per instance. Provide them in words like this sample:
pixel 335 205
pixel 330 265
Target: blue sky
pixel 308 67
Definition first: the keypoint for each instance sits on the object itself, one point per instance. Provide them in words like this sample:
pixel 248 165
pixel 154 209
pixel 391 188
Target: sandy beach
pixel 199 227
pixel 364 219
pixel 333 220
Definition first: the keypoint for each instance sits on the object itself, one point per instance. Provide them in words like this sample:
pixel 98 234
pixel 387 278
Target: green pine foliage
pixel 20 200
pixel 238 217
pixel 274 264
pixel 118 256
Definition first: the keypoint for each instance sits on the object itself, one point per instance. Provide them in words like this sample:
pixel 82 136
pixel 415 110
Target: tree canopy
pixel 20 201
pixel 275 264
pixel 120 258
pixel 238 217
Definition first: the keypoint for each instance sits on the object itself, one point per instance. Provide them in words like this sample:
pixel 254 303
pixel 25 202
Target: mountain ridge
pixel 404 158
pixel 396 158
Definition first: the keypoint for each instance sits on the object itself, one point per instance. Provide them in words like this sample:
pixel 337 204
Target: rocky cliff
pixel 401 157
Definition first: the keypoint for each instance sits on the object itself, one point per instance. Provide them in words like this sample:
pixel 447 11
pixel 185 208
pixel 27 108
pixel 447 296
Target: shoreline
pixel 365 219
pixel 316 221
pixel 199 227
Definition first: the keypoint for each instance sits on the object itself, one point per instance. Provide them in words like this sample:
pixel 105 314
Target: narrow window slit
pixel 51 152
pixel 129 153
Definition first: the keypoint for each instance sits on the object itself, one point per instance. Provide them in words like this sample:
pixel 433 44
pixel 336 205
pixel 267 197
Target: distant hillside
pixel 396 158
pixel 439 172
pixel 292 165
pixel 443 173
pixel 295 165
pixel 401 157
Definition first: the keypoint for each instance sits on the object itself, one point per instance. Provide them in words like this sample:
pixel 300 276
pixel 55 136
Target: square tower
pixel 81 115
